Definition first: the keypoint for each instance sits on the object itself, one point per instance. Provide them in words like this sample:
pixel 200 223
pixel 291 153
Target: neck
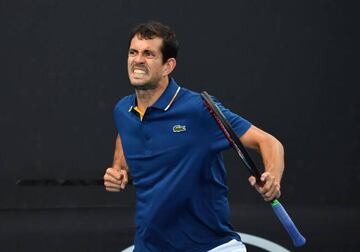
pixel 146 98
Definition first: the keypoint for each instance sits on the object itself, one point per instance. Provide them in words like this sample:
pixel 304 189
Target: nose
pixel 139 59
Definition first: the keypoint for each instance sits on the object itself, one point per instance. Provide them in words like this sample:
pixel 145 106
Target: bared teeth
pixel 138 71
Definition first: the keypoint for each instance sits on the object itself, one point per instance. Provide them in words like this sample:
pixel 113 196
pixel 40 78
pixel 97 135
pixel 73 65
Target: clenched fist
pixel 115 180
pixel 270 188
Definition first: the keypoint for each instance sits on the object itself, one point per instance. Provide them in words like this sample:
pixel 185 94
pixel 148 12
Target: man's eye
pixel 132 53
pixel 149 54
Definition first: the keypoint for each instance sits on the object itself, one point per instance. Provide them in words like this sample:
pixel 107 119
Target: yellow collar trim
pixel 141 113
pixel 167 107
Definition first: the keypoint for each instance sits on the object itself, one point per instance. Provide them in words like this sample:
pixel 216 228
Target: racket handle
pixel 288 224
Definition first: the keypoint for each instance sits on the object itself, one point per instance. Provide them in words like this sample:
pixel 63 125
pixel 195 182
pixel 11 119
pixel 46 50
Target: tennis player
pixel 171 145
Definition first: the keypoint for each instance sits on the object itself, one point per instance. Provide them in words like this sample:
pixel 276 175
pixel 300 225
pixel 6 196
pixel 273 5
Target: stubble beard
pixel 151 84
pixel 146 86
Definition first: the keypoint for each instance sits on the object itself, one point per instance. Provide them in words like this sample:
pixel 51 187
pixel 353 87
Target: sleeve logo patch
pixel 179 128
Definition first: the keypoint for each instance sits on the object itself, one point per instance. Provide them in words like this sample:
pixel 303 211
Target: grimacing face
pixel 145 63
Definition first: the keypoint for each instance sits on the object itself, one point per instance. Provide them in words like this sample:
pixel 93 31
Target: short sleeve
pixel 238 123
pixel 217 138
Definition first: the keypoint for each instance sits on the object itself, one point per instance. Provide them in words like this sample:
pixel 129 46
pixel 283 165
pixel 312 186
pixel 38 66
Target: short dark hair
pixel 152 29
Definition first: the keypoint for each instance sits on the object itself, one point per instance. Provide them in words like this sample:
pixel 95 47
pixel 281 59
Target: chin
pixel 144 85
pixel 137 83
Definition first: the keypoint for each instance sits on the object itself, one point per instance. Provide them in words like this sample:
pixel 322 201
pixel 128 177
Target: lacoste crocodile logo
pixel 179 128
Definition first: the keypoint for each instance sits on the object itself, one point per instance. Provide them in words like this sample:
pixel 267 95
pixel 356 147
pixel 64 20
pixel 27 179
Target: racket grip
pixel 288 224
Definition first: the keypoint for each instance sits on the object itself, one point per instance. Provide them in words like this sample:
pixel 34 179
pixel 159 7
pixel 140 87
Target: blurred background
pixel 290 67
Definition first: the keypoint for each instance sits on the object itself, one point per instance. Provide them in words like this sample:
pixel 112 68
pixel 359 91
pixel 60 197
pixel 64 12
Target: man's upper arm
pixel 253 137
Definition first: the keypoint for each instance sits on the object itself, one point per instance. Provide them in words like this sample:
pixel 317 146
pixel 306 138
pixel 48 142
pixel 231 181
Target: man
pixel 171 146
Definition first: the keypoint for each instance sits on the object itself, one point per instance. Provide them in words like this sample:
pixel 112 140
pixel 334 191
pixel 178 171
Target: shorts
pixel 231 246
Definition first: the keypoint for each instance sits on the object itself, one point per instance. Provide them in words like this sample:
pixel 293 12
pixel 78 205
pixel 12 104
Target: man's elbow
pixel 275 144
pixel 279 144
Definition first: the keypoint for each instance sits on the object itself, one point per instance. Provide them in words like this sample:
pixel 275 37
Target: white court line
pixel 252 240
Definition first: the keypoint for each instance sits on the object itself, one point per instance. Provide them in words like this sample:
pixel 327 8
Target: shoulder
pixel 191 103
pixel 124 104
pixel 190 98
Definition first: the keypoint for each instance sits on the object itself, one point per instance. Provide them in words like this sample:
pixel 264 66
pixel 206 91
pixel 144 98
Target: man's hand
pixel 115 180
pixel 270 188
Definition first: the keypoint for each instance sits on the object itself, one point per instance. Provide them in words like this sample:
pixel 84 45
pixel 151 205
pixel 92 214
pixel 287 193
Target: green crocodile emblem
pixel 179 128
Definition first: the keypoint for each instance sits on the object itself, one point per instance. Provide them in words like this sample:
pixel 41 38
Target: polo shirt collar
pixel 168 96
pixel 165 100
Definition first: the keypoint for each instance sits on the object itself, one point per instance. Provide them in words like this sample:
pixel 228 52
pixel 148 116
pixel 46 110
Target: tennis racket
pixel 297 238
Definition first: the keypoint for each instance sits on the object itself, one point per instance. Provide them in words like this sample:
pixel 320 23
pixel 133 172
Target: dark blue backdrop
pixel 289 67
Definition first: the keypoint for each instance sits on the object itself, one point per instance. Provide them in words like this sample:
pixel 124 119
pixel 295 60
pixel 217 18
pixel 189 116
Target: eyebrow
pixel 144 51
pixel 151 51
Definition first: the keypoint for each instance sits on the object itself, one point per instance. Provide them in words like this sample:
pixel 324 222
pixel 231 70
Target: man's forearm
pixel 272 153
pixel 119 158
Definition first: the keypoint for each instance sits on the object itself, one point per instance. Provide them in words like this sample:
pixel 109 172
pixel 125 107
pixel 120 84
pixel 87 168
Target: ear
pixel 169 66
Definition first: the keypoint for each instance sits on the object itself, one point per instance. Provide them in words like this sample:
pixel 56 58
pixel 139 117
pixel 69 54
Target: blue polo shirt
pixel 174 157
